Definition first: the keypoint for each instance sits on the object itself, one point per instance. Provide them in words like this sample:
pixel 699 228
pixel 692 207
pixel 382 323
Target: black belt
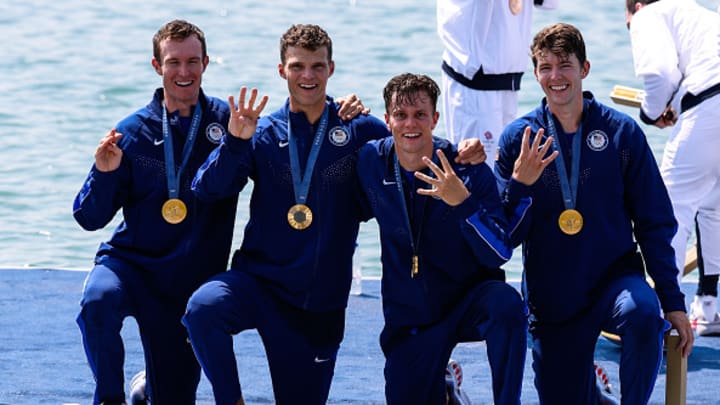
pixel 690 100
pixel 481 81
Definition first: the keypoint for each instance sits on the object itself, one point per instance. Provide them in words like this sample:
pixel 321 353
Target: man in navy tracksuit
pixel 169 242
pixel 443 233
pixel 596 195
pixel 291 277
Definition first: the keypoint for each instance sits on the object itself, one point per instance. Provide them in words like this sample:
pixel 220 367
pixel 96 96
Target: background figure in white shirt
pixel 485 54
pixel 676 52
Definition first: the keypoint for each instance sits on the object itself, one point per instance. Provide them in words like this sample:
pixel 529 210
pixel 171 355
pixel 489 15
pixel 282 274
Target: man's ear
pixel 156 65
pixel 585 69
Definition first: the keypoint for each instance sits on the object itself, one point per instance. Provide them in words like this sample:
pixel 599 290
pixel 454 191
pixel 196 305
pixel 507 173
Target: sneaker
pixel 602 381
pixel 701 309
pixel 453 383
pixel 137 389
pixel 705 328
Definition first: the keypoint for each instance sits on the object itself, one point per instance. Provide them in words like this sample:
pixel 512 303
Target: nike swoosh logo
pixel 319 360
pixel 157 142
pixel 283 144
pixel 388 183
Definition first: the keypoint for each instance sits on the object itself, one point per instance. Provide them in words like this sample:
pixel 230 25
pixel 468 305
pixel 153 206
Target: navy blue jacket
pixel 311 268
pixel 457 246
pixel 622 199
pixel 177 258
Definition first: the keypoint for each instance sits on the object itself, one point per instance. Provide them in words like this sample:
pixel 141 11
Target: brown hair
pixel 561 39
pixel 406 88
pixel 307 36
pixel 630 4
pixel 177 30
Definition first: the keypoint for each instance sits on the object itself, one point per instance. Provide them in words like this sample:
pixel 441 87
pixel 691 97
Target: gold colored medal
pixel 415 266
pixel 174 211
pixel 299 216
pixel 516 6
pixel 570 221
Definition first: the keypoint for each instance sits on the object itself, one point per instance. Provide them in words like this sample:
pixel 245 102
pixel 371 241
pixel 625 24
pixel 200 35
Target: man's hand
pixel 680 322
pixel 243 119
pixel 446 184
pixel 667 119
pixel 108 155
pixel 530 164
pixel 350 107
pixel 470 151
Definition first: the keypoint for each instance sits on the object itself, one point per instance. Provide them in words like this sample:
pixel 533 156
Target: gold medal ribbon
pixel 570 220
pixel 174 210
pixel 300 216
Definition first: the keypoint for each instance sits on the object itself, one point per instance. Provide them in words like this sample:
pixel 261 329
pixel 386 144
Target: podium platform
pixel 42 360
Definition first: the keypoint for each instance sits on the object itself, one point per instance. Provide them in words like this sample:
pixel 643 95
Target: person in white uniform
pixel 676 52
pixel 485 55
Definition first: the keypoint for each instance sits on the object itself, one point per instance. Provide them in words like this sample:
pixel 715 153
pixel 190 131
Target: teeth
pixel 184 84
pixel 308 86
pixel 558 88
pixel 412 135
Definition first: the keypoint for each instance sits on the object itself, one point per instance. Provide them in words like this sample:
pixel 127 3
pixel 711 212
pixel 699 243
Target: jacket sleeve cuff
pixel 236 145
pixel 516 191
pixel 644 118
pixel 673 303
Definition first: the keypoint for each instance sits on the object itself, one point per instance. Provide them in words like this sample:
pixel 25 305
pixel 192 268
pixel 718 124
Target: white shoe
pixel 704 317
pixel 602 381
pixel 453 382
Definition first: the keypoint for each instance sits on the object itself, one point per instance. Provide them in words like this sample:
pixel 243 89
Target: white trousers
pixel 480 114
pixel 691 171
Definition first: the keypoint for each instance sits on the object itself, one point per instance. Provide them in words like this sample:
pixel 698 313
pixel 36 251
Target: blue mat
pixel 42 361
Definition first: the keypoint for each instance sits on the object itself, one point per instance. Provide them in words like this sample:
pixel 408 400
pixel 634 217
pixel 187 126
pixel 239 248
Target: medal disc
pixel 570 221
pixel 174 211
pixel 516 6
pixel 299 216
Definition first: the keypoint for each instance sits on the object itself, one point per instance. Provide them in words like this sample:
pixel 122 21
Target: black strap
pixel 481 81
pixel 690 100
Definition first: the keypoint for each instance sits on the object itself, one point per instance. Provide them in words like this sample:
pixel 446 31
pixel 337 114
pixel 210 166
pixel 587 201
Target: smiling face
pixel 560 64
pixel 411 119
pixel 560 77
pixel 307 73
pixel 181 65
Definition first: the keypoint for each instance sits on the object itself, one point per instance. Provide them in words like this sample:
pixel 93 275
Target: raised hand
pixel 108 155
pixel 446 184
pixel 243 119
pixel 531 162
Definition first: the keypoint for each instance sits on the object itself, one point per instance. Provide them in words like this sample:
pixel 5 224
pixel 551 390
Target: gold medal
pixel 299 216
pixel 174 211
pixel 516 6
pixel 570 221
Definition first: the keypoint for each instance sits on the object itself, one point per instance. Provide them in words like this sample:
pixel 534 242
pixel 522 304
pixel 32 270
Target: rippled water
pixel 72 69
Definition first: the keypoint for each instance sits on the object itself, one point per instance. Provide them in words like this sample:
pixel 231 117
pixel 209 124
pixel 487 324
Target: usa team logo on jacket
pixel 597 140
pixel 214 132
pixel 338 136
